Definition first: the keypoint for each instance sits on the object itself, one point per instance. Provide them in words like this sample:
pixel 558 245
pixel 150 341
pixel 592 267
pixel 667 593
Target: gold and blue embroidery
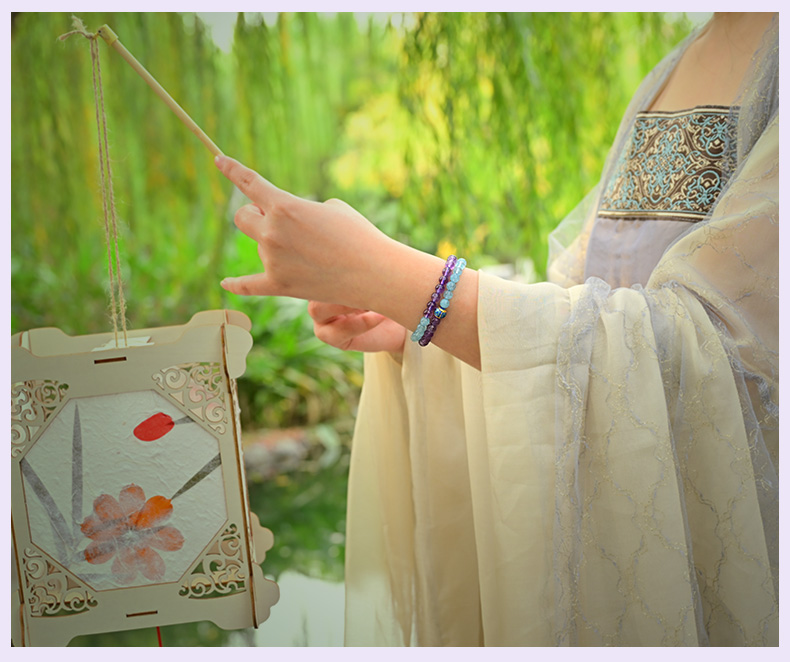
pixel 675 166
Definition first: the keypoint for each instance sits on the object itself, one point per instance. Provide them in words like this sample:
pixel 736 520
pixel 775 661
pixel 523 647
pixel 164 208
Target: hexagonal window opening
pixel 124 490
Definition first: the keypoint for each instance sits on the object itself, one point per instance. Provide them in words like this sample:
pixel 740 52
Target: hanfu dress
pixel 609 477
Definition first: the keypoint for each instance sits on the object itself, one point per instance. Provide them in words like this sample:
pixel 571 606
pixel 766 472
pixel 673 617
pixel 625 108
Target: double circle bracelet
pixel 436 310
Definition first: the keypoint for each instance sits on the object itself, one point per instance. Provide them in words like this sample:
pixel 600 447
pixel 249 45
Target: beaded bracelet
pixel 436 310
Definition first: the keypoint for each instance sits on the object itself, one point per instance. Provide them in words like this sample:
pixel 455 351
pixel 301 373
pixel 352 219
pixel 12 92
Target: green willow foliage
pixel 519 112
pixel 169 199
pixel 276 103
pixel 468 131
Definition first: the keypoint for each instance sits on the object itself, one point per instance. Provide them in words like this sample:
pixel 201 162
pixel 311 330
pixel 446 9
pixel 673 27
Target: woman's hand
pixel 354 329
pixel 373 287
pixel 310 250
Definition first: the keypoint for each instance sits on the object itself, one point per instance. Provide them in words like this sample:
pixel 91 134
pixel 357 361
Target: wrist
pixel 400 280
pixel 403 282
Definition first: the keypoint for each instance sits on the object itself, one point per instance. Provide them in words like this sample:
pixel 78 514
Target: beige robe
pixel 609 476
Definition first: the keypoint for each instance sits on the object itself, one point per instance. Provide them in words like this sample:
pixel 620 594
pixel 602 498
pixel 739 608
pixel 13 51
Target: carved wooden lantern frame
pixel 129 504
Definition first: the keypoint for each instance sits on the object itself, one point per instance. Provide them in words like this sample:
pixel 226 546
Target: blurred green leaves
pixel 517 112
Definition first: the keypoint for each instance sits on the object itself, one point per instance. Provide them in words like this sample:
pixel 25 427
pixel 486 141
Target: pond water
pixel 309 613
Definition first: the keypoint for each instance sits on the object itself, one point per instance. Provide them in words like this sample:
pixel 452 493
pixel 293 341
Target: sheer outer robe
pixel 609 477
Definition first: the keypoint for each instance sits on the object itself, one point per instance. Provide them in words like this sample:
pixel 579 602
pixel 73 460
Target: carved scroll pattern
pixel 33 403
pixel 52 591
pixel 221 570
pixel 200 387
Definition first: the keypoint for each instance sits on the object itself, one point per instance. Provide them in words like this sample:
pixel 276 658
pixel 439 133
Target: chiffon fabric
pixel 610 476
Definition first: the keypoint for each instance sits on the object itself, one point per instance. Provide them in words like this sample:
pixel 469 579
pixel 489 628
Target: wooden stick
pixel 111 38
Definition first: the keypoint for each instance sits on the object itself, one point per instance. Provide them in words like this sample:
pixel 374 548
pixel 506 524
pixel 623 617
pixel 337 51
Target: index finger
pixel 249 182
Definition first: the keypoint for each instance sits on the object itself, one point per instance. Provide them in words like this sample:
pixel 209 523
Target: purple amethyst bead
pixel 443 293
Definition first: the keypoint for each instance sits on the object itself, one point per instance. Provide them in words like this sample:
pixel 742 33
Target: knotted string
pixel 108 194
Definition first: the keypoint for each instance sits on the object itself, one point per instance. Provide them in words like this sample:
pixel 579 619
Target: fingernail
pixel 216 161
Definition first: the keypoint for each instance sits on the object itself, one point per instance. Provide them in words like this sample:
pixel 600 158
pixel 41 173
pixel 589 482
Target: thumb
pixel 254 284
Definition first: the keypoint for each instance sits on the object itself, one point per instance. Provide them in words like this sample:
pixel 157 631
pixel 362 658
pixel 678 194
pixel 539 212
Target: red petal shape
pixel 154 427
pixel 168 538
pixel 156 509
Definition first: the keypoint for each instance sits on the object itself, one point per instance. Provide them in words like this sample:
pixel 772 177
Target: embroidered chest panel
pixel 675 165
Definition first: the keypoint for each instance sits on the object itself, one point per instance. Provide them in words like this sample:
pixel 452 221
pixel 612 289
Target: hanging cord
pixel 108 194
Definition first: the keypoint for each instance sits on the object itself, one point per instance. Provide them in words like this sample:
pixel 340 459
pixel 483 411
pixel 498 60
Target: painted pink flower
pixel 130 530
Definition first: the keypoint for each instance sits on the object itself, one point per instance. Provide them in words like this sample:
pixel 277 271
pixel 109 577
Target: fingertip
pixel 224 162
pixel 248 285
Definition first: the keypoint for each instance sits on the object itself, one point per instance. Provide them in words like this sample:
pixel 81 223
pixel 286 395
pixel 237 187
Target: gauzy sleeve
pixel 609 477
pixel 634 431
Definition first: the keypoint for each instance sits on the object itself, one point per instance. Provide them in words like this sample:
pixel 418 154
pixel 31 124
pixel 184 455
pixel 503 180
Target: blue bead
pixel 434 313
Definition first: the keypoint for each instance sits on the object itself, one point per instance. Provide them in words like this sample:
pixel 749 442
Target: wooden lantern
pixel 129 503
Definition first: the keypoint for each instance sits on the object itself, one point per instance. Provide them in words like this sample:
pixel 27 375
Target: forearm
pixel 400 286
